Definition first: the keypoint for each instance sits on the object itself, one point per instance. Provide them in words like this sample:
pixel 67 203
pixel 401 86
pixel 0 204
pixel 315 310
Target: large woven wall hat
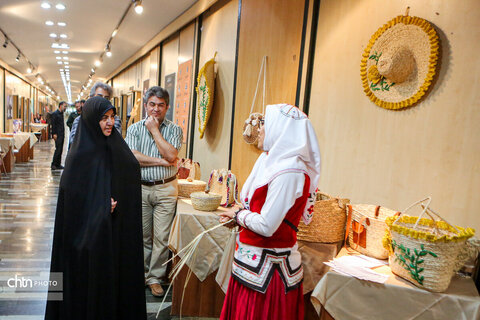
pixel 400 62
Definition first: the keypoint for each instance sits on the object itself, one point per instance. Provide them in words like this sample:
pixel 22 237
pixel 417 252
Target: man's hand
pixel 166 163
pixel 152 125
pixel 54 137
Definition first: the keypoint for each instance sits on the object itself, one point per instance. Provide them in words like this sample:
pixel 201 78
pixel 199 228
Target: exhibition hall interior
pixel 239 159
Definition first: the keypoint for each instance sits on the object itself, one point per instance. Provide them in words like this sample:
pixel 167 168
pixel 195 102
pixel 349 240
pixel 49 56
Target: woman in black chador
pixel 97 242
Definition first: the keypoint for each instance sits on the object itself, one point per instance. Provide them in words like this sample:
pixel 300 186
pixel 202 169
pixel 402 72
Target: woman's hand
pixel 114 204
pixel 229 215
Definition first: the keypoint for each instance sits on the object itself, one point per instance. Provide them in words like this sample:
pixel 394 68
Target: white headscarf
pixel 290 145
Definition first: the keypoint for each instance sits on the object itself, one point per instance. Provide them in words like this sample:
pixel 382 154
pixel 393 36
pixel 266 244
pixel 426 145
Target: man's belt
pixel 154 183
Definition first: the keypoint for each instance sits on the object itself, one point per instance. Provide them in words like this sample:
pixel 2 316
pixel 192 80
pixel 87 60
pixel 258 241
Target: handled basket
pixel 424 251
pixel 366 228
pixel 328 222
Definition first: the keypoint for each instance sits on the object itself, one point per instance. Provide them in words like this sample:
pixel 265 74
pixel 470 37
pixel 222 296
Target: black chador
pixel 99 253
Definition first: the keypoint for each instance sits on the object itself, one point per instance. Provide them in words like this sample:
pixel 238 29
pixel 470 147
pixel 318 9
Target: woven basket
pixel 424 251
pixel 185 187
pixel 367 228
pixel 205 201
pixel 328 222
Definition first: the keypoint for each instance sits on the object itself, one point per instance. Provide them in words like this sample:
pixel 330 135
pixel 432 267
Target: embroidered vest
pixel 285 236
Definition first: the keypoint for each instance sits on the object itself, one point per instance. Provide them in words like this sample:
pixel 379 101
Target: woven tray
pixel 328 222
pixel 185 187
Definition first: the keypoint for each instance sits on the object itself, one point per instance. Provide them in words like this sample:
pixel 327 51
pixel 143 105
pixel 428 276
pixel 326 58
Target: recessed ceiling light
pixel 61 24
pixel 46 5
pixel 65 52
pixel 60 6
pixel 66 62
pixel 61 70
pixel 63 36
pixel 49 23
pixel 56 51
pixel 67 67
pixel 29 70
pixel 53 35
pixel 59 62
pixel 58 58
pixel 98 63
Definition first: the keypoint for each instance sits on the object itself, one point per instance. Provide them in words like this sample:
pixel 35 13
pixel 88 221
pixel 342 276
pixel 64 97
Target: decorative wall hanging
pixel 182 108
pixel 205 93
pixel 399 62
pixel 252 124
pixel 424 251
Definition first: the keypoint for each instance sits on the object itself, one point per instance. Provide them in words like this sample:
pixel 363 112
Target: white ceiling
pixel 90 24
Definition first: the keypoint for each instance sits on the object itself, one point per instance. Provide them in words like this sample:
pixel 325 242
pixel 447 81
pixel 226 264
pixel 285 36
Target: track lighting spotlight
pixel 5 44
pixel 18 57
pixel 138 6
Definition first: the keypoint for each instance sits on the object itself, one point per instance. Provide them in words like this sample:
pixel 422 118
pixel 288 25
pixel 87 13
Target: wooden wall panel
pixel 219 33
pixel 378 156
pixel 272 28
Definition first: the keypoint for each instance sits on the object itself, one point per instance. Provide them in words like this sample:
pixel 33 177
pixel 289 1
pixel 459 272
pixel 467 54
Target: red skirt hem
pixel 243 303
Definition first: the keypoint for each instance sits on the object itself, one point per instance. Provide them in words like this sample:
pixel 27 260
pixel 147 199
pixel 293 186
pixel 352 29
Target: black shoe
pixel 57 167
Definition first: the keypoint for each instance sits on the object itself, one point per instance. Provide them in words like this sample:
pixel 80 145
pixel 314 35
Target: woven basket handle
pixel 430 210
pixel 340 205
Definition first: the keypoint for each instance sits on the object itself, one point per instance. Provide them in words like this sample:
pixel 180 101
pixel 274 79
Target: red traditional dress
pixel 267 273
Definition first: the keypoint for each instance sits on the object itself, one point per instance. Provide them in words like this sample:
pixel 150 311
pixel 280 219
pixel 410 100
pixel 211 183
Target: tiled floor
pixel 28 199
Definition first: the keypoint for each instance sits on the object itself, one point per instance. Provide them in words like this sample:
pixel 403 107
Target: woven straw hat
pixel 400 62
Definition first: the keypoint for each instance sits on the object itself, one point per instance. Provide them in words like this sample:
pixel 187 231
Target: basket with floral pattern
pixel 424 251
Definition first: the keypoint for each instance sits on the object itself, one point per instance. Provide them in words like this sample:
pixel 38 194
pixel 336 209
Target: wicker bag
pixel 187 168
pixel 366 228
pixel 224 183
pixel 424 251
pixel 328 222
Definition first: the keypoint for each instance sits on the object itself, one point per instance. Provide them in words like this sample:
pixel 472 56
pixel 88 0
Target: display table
pixel 7 145
pixel 40 130
pixel 203 296
pixel 24 142
pixel 345 297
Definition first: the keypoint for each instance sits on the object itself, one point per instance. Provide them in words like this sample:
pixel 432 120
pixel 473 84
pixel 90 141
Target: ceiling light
pixel 138 6
pixel 56 51
pixel 93 70
pixel 46 5
pixel 29 70
pixel 58 58
pixel 67 67
pixel 63 36
pixel 53 35
pixel 49 23
pixel 18 57
pixel 61 24
pixel 90 80
pixel 108 52
pixel 59 62
pixel 65 52
pixel 60 6
pixel 98 63
pixel 114 33
pixel 5 44
pixel 65 58
pixel 65 62
pixel 58 97
pixel 61 70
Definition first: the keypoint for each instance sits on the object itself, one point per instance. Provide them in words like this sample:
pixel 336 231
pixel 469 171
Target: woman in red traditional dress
pixel 267 273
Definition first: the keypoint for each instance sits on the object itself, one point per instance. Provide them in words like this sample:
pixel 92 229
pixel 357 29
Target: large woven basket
pixel 424 251
pixel 205 201
pixel 366 228
pixel 185 187
pixel 328 222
